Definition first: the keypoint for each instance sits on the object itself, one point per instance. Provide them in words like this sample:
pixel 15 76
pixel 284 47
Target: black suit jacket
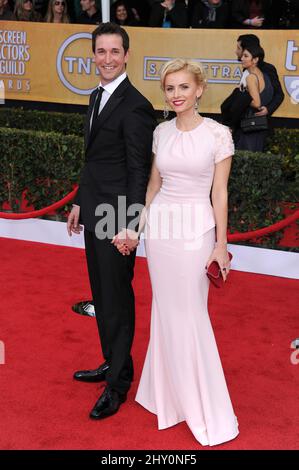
pixel 118 153
pixel 200 17
pixel 278 94
pixel 178 16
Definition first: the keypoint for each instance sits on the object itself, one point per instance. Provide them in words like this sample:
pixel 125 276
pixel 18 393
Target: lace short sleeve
pixel 224 144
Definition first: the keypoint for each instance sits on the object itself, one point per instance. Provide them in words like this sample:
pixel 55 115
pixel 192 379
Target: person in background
pixel 210 14
pixel 259 86
pixel 169 14
pixel 5 13
pixel 41 6
pixel 90 14
pixel 123 15
pixel 243 42
pixel 141 10
pixel 251 13
pixel 25 11
pixel 286 14
pixel 57 12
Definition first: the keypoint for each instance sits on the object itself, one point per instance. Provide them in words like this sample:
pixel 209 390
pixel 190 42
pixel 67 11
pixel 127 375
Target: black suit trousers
pixel 111 275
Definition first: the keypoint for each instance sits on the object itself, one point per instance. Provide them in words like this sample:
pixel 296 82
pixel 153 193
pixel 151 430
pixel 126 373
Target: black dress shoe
pixel 108 404
pixel 96 375
pixel 84 308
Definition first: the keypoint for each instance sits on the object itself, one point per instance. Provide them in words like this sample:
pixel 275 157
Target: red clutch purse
pixel 214 273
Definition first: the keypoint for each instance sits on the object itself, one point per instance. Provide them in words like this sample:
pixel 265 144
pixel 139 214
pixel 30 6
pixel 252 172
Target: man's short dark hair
pixel 111 28
pixel 248 40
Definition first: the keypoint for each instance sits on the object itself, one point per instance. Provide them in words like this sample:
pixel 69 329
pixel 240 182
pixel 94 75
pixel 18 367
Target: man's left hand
pixel 263 111
pixel 126 241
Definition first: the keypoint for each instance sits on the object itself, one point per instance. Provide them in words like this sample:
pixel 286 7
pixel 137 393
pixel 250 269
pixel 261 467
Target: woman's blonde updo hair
pixel 193 66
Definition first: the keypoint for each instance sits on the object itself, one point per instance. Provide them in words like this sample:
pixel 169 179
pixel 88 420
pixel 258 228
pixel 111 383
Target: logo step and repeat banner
pixel 54 62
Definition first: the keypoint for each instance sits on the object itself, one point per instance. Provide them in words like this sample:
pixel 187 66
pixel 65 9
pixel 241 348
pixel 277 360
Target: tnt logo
pixel 291 82
pixel 75 68
pixel 2 353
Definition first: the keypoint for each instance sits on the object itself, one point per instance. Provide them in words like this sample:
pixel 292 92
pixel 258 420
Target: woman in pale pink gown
pixel 182 378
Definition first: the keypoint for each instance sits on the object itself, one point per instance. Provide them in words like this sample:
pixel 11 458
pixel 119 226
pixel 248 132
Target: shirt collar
pixel 111 87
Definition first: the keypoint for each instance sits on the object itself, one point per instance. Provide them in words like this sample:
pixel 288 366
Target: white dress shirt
pixel 108 90
pixel 242 84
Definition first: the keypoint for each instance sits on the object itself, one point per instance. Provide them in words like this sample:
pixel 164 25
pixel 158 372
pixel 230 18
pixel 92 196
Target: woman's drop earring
pixel 196 104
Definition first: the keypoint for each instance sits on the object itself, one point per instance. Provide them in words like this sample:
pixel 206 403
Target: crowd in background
pixel 247 14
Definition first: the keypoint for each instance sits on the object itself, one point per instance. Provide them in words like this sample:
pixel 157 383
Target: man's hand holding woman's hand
pixel 126 241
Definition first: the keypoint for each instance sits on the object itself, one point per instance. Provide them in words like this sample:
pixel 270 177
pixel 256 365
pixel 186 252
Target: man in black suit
pixel 118 143
pixel 269 69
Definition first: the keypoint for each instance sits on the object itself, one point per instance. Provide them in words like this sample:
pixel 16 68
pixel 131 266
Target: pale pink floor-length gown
pixel 182 377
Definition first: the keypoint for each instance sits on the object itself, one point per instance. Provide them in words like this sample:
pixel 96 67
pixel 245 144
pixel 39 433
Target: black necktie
pixel 96 106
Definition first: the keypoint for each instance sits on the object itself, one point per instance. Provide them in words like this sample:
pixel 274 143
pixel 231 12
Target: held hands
pixel 126 241
pixel 220 255
pixel 73 221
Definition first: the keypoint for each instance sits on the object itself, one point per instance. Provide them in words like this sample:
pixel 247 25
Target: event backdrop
pixel 54 62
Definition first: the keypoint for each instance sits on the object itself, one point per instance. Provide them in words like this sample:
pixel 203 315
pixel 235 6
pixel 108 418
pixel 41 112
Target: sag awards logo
pixel 217 70
pixel 14 56
pixel 291 82
pixel 75 68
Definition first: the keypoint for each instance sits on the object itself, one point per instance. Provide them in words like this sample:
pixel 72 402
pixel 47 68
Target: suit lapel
pixel 114 101
pixel 88 116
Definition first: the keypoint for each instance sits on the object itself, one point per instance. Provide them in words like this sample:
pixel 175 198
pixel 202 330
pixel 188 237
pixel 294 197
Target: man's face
pixel 110 57
pixel 239 50
pixel 87 4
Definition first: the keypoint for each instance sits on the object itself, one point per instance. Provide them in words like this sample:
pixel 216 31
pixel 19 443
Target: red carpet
pixel 255 318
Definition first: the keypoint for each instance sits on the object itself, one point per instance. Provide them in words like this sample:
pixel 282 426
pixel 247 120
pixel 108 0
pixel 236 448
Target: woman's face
pixel 247 60
pixel 121 13
pixel 59 6
pixel 28 5
pixel 181 91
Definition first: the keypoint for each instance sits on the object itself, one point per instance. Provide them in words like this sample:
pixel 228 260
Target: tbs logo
pixel 291 82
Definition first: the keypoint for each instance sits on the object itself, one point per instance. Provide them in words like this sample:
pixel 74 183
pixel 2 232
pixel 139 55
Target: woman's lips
pixel 178 102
